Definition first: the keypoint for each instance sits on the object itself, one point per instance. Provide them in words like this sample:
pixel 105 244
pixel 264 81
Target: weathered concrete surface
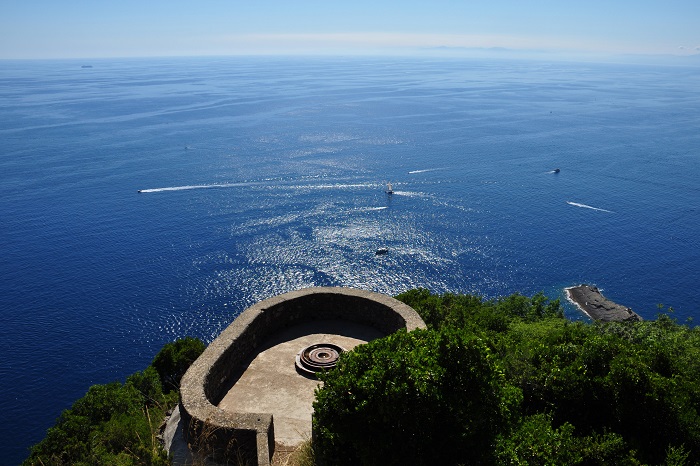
pixel 174 441
pixel 270 383
pixel 230 431
pixel 596 306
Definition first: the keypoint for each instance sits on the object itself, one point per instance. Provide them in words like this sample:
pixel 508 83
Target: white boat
pixel 388 189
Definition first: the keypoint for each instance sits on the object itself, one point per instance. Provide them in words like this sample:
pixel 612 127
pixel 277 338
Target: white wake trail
pixel 195 186
pixel 576 204
pixel 257 183
pixel 424 170
pixel 371 209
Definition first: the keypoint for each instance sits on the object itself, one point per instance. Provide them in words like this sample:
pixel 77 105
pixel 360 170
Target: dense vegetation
pixel 505 382
pixel 512 382
pixel 116 424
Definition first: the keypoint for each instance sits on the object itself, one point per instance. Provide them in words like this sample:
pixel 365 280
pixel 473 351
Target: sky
pixel 149 28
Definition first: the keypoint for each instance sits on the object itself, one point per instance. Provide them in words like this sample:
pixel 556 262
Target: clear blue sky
pixel 125 28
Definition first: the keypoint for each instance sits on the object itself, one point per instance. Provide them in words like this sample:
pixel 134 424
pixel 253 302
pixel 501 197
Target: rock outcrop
pixel 592 302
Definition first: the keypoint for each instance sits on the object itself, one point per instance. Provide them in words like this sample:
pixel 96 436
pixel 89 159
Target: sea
pixel 144 200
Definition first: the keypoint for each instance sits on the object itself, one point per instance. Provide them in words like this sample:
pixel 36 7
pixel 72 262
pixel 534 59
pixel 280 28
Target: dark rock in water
pixel 592 302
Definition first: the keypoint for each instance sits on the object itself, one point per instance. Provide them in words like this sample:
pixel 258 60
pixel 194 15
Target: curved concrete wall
pixel 211 375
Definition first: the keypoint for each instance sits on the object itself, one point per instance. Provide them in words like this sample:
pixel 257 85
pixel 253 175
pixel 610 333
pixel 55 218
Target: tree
pixel 174 359
pixel 116 423
pixel 512 381
pixel 424 397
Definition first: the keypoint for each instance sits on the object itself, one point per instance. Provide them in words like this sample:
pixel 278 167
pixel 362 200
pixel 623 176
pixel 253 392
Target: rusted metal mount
pixel 318 357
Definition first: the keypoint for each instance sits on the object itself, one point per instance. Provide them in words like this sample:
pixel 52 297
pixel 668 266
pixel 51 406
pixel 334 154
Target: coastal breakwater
pixel 596 306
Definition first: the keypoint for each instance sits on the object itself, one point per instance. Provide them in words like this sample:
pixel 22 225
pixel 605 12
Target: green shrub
pixel 601 379
pixel 536 442
pixel 116 424
pixel 101 402
pixel 174 359
pixel 424 397
pixel 148 384
pixel 591 394
pixel 472 312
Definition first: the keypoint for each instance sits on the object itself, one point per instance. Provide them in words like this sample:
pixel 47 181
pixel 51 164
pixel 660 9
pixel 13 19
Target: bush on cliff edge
pixel 413 397
pixel 115 423
pixel 512 382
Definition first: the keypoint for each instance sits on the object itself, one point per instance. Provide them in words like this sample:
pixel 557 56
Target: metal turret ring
pixel 318 357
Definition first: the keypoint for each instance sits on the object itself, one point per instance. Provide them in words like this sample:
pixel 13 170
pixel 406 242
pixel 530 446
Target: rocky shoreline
pixel 596 306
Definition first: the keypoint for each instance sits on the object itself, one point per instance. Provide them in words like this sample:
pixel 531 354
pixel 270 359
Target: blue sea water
pixel 264 175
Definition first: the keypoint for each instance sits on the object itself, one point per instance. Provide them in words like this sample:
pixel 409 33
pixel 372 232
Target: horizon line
pixel 438 51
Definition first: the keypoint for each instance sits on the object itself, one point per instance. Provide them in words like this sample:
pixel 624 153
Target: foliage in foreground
pixel 115 423
pixel 414 395
pixel 512 382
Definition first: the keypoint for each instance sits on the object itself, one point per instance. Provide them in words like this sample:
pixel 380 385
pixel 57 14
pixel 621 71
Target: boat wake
pixel 371 209
pixel 424 170
pixel 412 194
pixel 339 186
pixel 196 186
pixel 576 204
pixel 257 183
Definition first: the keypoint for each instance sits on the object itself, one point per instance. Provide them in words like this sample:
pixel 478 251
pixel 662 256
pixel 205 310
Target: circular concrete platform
pixel 270 383
pixel 244 395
